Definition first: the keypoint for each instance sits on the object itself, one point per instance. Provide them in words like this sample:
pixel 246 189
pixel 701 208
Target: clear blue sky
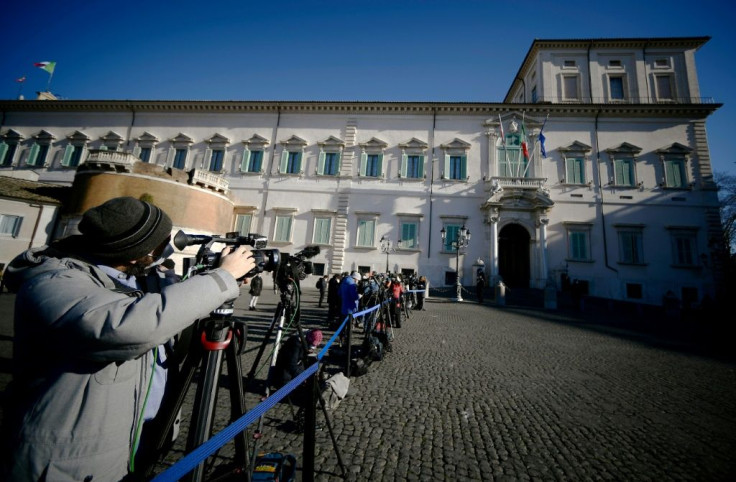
pixel 337 50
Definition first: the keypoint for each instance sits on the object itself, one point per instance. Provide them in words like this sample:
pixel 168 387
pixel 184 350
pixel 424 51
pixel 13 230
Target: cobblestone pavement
pixel 479 392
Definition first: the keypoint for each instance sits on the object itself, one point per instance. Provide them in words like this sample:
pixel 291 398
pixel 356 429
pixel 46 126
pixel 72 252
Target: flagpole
pixel 51 76
pixel 20 87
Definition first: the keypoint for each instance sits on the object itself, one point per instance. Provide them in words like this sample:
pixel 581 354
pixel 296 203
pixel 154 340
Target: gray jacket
pixel 82 361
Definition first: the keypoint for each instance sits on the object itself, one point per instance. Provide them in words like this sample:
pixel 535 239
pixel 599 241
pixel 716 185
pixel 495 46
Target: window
pixel 329 164
pixel 282 232
pixel 412 166
pixel 252 161
pixel 570 87
pixel 242 223
pixel 623 172
pixel 512 162
pixel 578 243
pixel 372 165
pixel 72 155
pixel 37 156
pixel 614 63
pixel 575 170
pixel 569 63
pixel 674 173
pixel 456 168
pixel 616 83
pixel 10 225
pixel 7 153
pixel 683 247
pixel 180 158
pixel 366 230
pixel 661 63
pixel 409 234
pixel 145 154
pixel 318 269
pixel 217 159
pixel 451 234
pixel 663 83
pixel 291 162
pixel 322 230
pixel 630 246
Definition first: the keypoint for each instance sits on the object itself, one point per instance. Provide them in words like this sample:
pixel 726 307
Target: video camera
pixel 295 267
pixel 266 259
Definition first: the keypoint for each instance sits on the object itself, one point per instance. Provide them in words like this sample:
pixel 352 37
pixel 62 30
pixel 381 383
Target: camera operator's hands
pixel 237 262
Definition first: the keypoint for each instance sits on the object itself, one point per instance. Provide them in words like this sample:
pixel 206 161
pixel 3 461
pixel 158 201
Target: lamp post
pixel 387 247
pixel 461 241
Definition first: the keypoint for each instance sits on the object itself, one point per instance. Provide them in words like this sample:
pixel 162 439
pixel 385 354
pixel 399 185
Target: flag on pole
pixel 524 145
pixel 21 79
pixel 47 66
pixel 542 138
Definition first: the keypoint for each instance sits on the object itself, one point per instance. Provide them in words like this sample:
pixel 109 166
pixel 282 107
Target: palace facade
pixel 594 168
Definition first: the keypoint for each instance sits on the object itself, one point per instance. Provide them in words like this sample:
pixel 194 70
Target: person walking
pixel 322 287
pixel 256 285
pixel 480 285
pixel 93 321
pixel 333 300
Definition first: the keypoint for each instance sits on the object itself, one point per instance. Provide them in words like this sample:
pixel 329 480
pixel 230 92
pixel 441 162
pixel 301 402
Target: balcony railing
pixel 109 160
pixel 531 183
pixel 209 180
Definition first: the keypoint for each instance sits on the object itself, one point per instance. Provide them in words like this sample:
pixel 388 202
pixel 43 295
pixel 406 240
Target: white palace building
pixel 619 195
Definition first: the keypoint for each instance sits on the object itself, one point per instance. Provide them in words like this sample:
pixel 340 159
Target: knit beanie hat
pixel 314 337
pixel 123 229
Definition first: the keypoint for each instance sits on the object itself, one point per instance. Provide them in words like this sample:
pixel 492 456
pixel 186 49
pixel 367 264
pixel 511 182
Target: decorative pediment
pixel 675 149
pixel 218 140
pixel 256 142
pixel 44 136
pixel 294 141
pixel 12 136
pixel 374 145
pixel 182 139
pixel 147 137
pixel 576 146
pixel 332 142
pixel 456 145
pixel 414 143
pixel 112 138
pixel 78 137
pixel 624 149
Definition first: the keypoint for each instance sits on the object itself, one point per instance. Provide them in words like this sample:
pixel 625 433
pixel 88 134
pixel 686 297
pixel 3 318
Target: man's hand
pixel 237 262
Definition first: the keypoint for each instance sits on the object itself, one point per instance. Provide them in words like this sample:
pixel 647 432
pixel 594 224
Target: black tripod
pixel 212 338
pixel 287 310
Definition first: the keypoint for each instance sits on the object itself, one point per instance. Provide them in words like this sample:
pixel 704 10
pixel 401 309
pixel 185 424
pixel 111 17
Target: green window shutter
pixel 618 172
pixel 404 162
pixel 170 156
pixel 137 151
pixel 421 167
pixel 446 169
pixel 103 148
pixel 68 151
pixel 244 160
pixel 380 170
pixel 298 169
pixel 32 155
pixel 3 151
pixel 363 163
pixel 321 163
pixel 284 161
pixel 207 164
pixel 463 167
pixel 339 164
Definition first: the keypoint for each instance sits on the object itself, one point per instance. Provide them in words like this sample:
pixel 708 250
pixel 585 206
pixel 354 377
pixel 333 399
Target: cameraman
pixel 92 319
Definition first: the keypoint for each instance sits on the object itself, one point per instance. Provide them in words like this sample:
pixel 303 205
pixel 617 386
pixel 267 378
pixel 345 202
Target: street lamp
pixel 387 247
pixel 461 241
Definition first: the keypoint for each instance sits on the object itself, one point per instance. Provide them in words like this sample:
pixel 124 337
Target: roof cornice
pixel 382 108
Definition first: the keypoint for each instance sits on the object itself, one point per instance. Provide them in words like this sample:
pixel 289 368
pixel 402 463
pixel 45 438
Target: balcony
pixel 209 180
pixel 508 183
pixel 101 160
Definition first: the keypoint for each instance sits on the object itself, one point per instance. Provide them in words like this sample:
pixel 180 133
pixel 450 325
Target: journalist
pixel 93 319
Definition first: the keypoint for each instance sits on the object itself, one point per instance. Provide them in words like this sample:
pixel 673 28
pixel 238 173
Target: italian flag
pixel 47 66
pixel 524 146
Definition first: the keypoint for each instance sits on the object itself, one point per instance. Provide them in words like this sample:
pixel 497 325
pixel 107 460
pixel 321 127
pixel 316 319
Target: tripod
pixel 288 310
pixel 214 337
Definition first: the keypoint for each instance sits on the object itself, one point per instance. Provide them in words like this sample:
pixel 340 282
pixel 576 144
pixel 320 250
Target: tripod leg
pixel 332 434
pixel 237 401
pixel 204 408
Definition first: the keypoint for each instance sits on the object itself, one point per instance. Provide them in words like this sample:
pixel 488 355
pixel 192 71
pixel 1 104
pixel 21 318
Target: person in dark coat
pixel 322 287
pixel 480 285
pixel 256 285
pixel 333 299
pixel 422 287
